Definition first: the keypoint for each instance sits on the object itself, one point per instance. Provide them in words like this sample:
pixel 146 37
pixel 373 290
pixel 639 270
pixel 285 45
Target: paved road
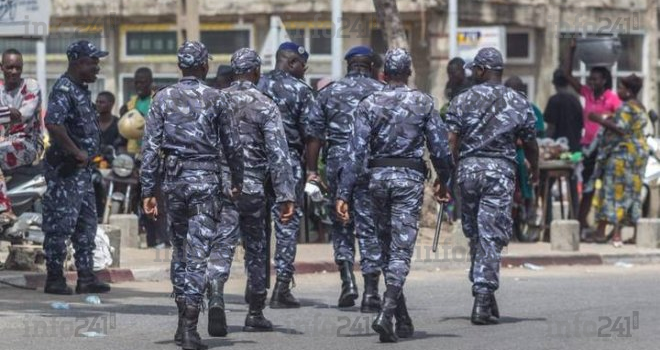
pixel 557 308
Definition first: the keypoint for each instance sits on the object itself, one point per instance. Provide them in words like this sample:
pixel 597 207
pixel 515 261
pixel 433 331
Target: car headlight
pixel 123 165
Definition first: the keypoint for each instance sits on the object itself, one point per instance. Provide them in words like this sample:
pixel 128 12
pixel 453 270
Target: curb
pixel 36 280
pixel 552 260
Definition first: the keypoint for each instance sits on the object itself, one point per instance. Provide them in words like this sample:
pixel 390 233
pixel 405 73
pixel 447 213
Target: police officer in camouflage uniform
pixel 390 129
pixel 265 152
pixel 484 123
pixel 294 99
pixel 189 125
pixel 69 202
pixel 331 122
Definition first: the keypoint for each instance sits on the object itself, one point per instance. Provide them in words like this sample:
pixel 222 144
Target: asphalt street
pixel 574 307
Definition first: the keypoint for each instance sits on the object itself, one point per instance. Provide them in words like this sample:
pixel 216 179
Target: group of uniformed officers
pixel 230 158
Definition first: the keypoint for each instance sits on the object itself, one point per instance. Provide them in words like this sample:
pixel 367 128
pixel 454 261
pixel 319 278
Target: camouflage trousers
pixel 361 224
pixel 69 211
pixel 13 154
pixel 397 219
pixel 487 192
pixel 286 235
pixel 204 234
pixel 253 232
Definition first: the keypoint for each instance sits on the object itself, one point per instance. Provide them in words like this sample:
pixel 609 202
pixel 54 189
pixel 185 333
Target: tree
pixel 395 36
pixel 392 28
pixel 390 23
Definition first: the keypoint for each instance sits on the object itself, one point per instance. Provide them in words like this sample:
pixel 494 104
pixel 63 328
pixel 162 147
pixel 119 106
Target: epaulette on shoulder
pixel 62 87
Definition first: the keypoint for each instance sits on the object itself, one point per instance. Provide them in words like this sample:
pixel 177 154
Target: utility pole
pixel 187 20
pixel 337 42
pixel 453 28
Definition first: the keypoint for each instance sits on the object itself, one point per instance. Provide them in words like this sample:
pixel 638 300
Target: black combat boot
pixel 349 291
pixel 89 283
pixel 56 283
pixel 217 326
pixel 181 308
pixel 370 297
pixel 482 311
pixel 495 311
pixel 247 293
pixel 191 339
pixel 404 326
pixel 383 323
pixel 255 321
pixel 282 297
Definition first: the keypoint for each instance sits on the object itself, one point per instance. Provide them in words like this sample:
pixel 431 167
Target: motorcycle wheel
pixel 522 229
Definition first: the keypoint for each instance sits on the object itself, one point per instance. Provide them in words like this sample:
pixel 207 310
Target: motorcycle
pixel 120 180
pixel 651 174
pixel 25 188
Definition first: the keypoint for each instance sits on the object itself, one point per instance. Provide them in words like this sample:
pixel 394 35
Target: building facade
pixel 144 33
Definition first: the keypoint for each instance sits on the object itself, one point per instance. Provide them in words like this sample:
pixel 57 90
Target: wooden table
pixel 555 170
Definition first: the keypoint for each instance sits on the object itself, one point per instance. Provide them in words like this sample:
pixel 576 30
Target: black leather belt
pixel 410 163
pixel 193 165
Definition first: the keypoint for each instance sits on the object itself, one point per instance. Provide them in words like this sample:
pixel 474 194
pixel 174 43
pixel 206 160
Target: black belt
pixel 410 163
pixel 195 165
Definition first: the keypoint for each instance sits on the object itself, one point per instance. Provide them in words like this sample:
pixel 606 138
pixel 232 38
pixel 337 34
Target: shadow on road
pixel 503 320
pixel 212 343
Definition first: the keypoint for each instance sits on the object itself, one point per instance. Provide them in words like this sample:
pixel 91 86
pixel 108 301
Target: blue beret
pixel 358 51
pixel 291 46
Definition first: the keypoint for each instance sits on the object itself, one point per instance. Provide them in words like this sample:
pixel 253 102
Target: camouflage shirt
pixel 394 123
pixel 488 118
pixel 263 140
pixel 294 98
pixel 191 120
pixel 70 105
pixel 332 115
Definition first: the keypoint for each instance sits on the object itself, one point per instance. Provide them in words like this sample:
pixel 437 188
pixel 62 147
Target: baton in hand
pixel 438 226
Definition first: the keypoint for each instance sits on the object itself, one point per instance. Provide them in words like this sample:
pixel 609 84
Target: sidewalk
pixel 154 264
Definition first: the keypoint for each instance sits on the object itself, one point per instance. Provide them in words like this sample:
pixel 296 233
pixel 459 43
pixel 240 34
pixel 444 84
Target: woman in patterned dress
pixel 621 162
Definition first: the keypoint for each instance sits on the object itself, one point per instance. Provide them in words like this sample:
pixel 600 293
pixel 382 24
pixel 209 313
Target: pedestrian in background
pixel 621 162
pixel 598 99
pixel 20 102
